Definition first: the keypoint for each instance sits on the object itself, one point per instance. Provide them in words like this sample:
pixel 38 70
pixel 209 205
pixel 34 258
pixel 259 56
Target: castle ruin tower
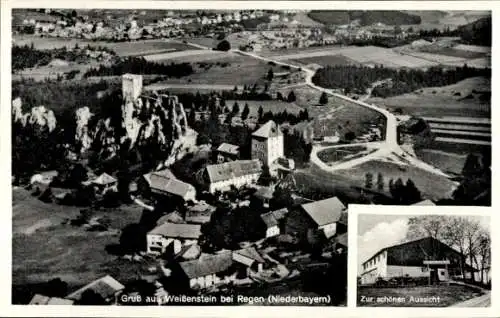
pixel 131 86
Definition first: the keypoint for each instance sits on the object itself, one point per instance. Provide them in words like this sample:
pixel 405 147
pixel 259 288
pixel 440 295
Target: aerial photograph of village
pixel 424 261
pixel 205 157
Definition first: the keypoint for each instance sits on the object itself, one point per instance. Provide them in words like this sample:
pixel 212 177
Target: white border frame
pixel 76 311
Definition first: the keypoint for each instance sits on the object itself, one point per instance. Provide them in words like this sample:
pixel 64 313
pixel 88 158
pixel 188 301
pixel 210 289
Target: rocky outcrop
pixel 82 134
pixel 155 121
pixel 38 117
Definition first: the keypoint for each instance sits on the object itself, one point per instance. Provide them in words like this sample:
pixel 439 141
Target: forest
pixel 357 79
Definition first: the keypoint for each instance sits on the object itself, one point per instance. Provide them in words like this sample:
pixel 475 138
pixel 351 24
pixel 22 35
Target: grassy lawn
pixel 44 248
pixel 431 186
pixel 337 155
pixel 448 295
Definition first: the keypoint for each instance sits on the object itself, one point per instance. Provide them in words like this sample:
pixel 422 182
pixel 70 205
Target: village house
pixel 274 221
pixel 107 287
pixel 103 184
pixel 206 271
pixel 163 183
pixel 250 259
pixel 46 300
pixel 221 177
pixel 227 152
pixel 426 257
pixel 172 236
pixel 325 216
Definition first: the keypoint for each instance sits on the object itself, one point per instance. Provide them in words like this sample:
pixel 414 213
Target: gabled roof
pixel 104 179
pixel 249 256
pixel 269 129
pixel 207 264
pixel 325 211
pixel 228 148
pixel 105 286
pixel 272 218
pixel 413 253
pixel 189 251
pixel 174 230
pixel 233 169
pixel 167 183
pixel 45 300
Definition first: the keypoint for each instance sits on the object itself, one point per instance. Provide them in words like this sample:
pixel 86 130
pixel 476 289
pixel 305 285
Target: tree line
pixel 139 65
pixel 358 79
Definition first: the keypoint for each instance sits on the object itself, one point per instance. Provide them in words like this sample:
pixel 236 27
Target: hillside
pixel 477 32
pixel 365 17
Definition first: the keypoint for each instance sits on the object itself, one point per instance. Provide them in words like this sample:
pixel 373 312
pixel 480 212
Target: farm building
pixel 273 221
pixel 265 194
pixel 267 143
pixel 106 287
pixel 44 177
pixel 164 184
pixel 238 173
pixel 173 236
pixel 326 216
pixel 427 257
pixel 227 152
pixel 46 300
pixel 206 271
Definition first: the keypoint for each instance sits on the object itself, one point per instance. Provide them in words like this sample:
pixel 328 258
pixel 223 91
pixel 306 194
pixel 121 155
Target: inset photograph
pixel 424 261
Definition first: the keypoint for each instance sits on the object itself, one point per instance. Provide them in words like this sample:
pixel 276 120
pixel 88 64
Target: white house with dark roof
pixel 273 221
pixel 164 183
pixel 250 258
pixel 221 177
pixel 173 235
pixel 227 152
pixel 268 143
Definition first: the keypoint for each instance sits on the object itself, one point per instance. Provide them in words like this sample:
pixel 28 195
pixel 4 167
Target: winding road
pixel 388 148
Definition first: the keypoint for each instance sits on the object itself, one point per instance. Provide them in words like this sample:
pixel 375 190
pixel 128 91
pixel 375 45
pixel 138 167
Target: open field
pixel 134 48
pixel 431 186
pixel 445 161
pixel 448 295
pixel 338 115
pixel 41 73
pixel 398 57
pixel 467 98
pixel 274 106
pixel 44 248
pixel 338 59
pixel 179 56
pixel 228 69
